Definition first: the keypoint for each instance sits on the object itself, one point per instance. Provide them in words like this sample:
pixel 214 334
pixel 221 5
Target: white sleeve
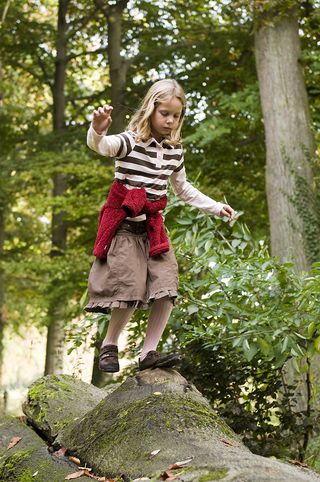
pixel 118 145
pixel 188 193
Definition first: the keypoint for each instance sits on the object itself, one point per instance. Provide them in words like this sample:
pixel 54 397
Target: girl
pixel 135 265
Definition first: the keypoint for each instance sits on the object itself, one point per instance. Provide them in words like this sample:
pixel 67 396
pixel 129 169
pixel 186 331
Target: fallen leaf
pixel 229 442
pixel 96 477
pixel 167 476
pixel 179 429
pixel 297 462
pixel 13 442
pixel 61 452
pixel 178 465
pixel 142 479
pixel 75 460
pixel 155 452
pixel 75 475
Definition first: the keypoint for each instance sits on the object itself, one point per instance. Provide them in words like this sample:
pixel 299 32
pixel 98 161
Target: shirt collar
pixel 163 143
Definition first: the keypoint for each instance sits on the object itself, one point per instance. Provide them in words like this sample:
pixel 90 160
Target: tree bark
pixel 56 335
pixel 3 203
pixel 2 318
pixel 118 65
pixel 289 140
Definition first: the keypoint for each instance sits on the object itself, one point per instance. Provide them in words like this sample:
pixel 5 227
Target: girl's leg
pixel 158 318
pixel 119 319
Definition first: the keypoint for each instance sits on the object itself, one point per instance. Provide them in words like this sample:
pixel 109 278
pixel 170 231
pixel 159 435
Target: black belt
pixel 137 227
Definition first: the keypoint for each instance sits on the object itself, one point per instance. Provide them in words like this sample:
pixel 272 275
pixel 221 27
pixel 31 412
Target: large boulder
pixel 148 423
pixel 29 460
pixel 54 401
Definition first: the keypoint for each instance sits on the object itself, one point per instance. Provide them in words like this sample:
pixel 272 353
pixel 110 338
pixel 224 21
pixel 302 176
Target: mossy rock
pixel 158 410
pixel 29 460
pixel 54 401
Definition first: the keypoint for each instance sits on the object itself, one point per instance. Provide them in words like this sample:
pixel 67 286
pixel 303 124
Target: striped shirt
pixel 150 165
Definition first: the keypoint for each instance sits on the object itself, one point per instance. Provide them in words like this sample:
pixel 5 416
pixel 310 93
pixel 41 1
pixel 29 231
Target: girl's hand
pixel 102 118
pixel 227 211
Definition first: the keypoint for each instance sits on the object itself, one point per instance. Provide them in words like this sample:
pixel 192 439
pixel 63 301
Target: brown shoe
pixel 108 359
pixel 155 359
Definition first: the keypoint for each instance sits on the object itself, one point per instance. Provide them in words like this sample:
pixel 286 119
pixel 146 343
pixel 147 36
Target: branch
pixel 44 70
pixel 107 9
pixel 80 23
pixel 84 97
pixel 87 52
pixel 31 72
pixel 5 11
pixel 90 98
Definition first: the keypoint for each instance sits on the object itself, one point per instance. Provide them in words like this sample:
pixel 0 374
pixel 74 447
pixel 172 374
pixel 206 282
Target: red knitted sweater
pixel 121 203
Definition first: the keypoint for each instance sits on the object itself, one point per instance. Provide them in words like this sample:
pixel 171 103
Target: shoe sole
pixel 110 369
pixel 163 364
pixel 168 363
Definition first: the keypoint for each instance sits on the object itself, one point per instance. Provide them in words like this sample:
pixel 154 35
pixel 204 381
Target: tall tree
pixel 3 199
pixel 55 338
pixel 289 139
pixel 118 64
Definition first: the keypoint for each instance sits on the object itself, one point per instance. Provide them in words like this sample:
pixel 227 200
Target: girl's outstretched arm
pixel 98 141
pixel 191 195
pixel 103 144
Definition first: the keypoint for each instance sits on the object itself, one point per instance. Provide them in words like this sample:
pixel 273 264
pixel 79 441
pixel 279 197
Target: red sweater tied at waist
pixel 121 203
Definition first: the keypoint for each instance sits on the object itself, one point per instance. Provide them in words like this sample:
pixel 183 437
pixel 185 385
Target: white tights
pixel 158 318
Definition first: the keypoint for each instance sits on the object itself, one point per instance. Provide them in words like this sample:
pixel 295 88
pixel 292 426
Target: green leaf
pixel 316 344
pixel 311 329
pixel 285 344
pixel 264 346
pixel 192 309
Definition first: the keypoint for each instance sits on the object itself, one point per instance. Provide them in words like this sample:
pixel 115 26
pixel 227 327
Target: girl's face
pixel 165 118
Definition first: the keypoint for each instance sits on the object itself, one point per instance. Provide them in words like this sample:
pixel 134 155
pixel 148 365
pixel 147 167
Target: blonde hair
pixel 160 91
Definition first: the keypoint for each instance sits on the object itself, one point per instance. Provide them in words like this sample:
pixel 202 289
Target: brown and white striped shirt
pixel 150 165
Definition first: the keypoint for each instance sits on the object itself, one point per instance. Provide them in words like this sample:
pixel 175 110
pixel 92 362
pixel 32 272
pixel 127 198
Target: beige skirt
pixel 128 277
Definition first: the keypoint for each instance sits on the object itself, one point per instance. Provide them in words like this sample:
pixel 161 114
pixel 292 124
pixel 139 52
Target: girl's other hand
pixel 102 118
pixel 228 212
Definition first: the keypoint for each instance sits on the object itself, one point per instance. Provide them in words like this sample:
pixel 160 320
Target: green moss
pixel 60 425
pixel 9 466
pixel 169 425
pixel 36 390
pixel 64 385
pixel 39 390
pixel 26 476
pixel 210 474
pixel 150 413
pixel 214 475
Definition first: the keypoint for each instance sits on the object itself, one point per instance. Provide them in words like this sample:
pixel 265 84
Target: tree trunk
pixel 118 65
pixel 3 202
pixel 2 319
pixel 118 69
pixel 56 336
pixel 289 141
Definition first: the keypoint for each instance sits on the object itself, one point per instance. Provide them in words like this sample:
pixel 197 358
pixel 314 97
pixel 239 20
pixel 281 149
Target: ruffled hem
pixel 163 293
pixel 107 306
